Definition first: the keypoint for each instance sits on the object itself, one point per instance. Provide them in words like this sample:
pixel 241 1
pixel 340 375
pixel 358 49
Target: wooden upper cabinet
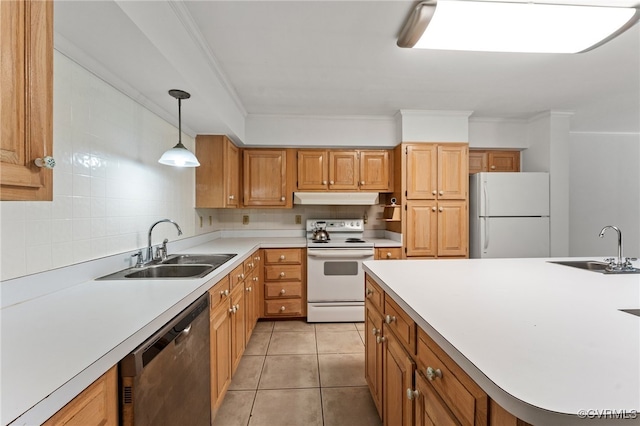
pixel 313 170
pixel 493 161
pixel 218 177
pixel 265 178
pixel 453 177
pixel 375 172
pixel 26 99
pixel 422 173
pixel 477 162
pixel 343 170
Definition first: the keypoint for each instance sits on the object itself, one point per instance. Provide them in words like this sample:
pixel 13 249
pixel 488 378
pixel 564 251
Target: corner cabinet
pixel 268 177
pixel 26 101
pixel 218 177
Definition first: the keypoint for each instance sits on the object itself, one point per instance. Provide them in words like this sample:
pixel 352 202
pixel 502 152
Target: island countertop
pixel 547 342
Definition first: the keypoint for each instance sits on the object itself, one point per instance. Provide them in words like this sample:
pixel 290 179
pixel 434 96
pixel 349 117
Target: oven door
pixel 336 275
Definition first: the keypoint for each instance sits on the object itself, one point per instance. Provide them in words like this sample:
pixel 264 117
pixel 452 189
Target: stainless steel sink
pixel 175 267
pixel 635 312
pixel 592 265
pixel 200 259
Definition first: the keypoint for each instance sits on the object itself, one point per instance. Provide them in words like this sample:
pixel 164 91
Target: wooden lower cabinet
pixel 430 410
pixel 388 253
pixel 220 345
pixel 373 353
pixel 238 308
pixel 398 369
pixel 284 286
pixel 96 405
pixel 437 228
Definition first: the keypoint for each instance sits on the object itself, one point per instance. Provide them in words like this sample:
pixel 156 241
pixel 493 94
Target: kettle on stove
pixel 319 232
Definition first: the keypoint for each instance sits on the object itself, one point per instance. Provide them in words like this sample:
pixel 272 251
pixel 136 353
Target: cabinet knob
pixel 237 307
pixel 232 310
pixel 389 319
pixel 375 331
pixel 257 258
pixel 361 182
pixel 282 308
pixel 493 167
pixel 282 198
pixel 331 182
pixel 324 182
pixel 388 254
pixel 224 293
pixel 46 162
pixel 381 339
pixel 282 257
pixel 441 209
pixel 248 289
pixel 369 292
pixel 433 374
pixel 232 197
pixel 255 279
pixel 412 394
pixel 282 274
pixel 433 192
pixel 441 193
pixel 282 291
pixel 433 209
pixel 241 277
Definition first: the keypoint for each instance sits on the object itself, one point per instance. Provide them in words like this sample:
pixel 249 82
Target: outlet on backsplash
pixel 298 219
pixel 245 219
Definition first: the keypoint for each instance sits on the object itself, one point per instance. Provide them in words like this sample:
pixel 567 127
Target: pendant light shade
pixel 179 155
pixel 504 26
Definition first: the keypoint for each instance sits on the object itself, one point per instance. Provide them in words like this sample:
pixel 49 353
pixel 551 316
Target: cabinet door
pixel 265 178
pixel 430 409
pixel 220 350
pixel 343 170
pixel 504 161
pixel 250 295
pixel 218 177
pixel 374 171
pixel 237 326
pixel 26 101
pixel 452 228
pixel 453 176
pixel 398 372
pixel 477 162
pixel 373 354
pixel 313 170
pixel 231 178
pixel 422 173
pixel 422 228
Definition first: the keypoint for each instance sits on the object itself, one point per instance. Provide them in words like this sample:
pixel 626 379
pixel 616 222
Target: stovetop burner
pixel 354 240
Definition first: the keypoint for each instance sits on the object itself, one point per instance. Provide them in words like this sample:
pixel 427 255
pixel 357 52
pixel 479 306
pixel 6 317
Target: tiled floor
pixel 299 374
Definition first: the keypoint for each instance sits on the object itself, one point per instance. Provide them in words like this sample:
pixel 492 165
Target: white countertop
pixel 543 340
pixel 56 344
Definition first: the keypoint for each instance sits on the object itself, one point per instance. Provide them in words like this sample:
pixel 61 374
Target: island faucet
pixel 149 247
pixel 615 228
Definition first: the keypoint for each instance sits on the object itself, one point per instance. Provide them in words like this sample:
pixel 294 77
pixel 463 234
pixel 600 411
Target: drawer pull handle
pixel 282 274
pixel 412 394
pixel 388 254
pixel 433 374
pixel 381 339
pixel 389 319
pixel 241 277
pixel 232 197
pixel 248 289
pixel 282 308
pixel 375 331
pixel 257 258
pixel 441 193
pixel 224 293
pixel 232 310
pixel 361 182
pixel 255 279
pixel 369 292
pixel 282 257
pixel 282 291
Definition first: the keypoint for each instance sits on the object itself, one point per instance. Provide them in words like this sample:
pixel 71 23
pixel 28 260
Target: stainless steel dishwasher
pixel 165 381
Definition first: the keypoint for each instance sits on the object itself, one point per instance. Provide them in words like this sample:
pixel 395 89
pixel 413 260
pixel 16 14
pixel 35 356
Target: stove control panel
pixel 336 225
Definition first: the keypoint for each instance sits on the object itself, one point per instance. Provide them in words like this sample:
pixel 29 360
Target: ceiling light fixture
pixel 179 155
pixel 513 27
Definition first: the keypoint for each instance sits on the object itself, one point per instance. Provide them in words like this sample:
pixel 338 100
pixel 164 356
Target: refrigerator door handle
pixel 485 198
pixel 486 233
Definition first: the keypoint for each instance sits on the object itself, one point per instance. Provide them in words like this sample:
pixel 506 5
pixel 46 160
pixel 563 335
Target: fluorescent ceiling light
pixel 513 27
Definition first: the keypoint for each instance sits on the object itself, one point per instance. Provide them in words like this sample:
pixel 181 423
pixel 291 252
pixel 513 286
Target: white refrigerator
pixel 509 215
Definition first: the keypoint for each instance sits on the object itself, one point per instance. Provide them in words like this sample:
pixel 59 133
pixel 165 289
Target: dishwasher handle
pixel 175 330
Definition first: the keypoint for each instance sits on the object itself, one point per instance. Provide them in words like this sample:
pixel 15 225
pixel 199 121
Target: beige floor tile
pixel 361 333
pixel 360 326
pixel 292 343
pixel 294 325
pixel 235 409
pixel 247 375
pixel 341 370
pixel 290 371
pixel 351 406
pixel 287 407
pixel 339 342
pixel 335 326
pixel 263 327
pixel 258 344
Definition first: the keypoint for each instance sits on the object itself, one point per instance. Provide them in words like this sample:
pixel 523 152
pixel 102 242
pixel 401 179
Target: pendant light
pixel 179 155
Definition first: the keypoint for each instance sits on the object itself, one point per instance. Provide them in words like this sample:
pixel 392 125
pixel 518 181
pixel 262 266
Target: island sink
pixel 592 265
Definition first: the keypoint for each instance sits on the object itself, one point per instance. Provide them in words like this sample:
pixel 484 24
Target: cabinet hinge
pixel 405 250
pixel 406 193
pixel 405 207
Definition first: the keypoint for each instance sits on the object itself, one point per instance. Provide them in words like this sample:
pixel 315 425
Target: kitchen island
pixel 546 342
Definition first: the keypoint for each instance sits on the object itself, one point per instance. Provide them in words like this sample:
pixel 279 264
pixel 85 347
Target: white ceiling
pixel 333 58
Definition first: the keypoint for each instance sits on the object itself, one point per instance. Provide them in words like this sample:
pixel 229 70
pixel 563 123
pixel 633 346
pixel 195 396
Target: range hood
pixel 336 198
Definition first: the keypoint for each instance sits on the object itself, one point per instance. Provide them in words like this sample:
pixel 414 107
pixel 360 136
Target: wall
pixel 108 186
pixel 432 126
pixel 497 133
pixel 605 190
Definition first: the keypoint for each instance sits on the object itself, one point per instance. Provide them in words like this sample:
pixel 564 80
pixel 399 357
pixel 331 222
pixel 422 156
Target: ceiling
pixel 327 58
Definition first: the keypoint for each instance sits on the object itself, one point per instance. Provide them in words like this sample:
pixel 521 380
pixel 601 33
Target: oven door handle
pixel 325 253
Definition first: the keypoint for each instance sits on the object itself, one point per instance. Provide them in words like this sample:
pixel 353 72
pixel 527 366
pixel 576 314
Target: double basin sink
pixel 179 266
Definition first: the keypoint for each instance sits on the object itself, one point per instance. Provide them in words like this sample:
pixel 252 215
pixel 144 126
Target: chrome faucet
pixel 149 247
pixel 622 264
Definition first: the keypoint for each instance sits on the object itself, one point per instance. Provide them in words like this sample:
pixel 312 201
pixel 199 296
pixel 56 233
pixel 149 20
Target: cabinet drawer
pixel 374 294
pixel 401 324
pixel 285 307
pixel 460 393
pixel 279 256
pixel 249 264
pixel 388 253
pixel 237 276
pixel 283 290
pixel 219 293
pixel 283 273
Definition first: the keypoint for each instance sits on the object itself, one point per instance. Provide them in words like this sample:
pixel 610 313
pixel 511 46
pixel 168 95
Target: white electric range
pixel 335 278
